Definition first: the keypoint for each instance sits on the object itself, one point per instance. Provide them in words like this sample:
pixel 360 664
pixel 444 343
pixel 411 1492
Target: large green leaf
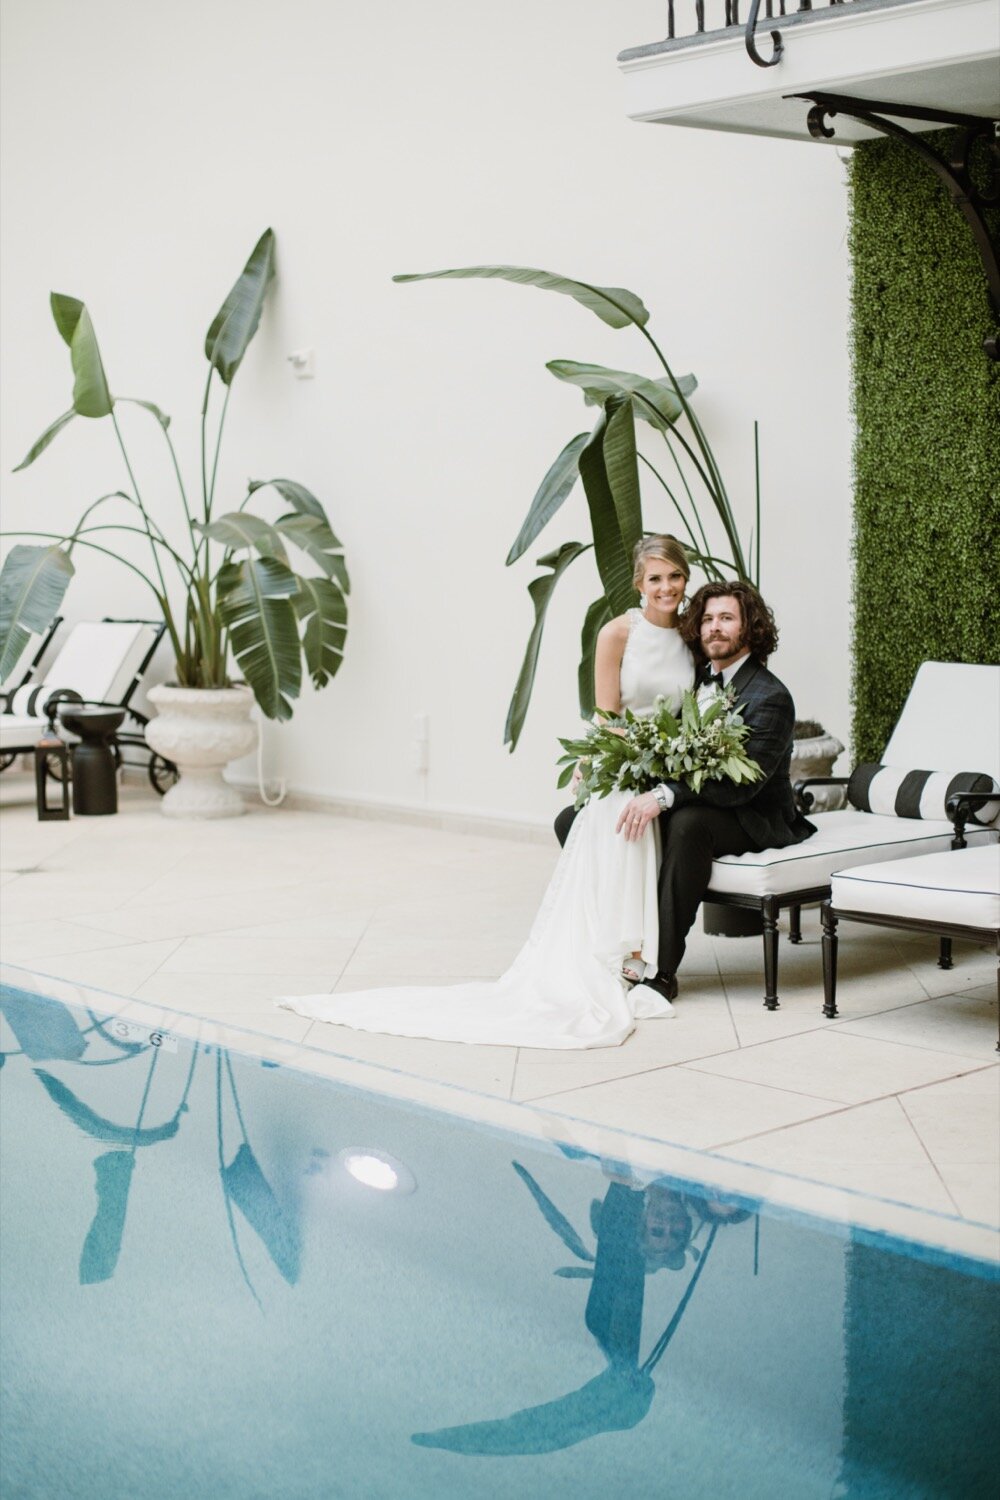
pixel 317 540
pixel 91 397
pixel 149 406
pixel 33 581
pixel 655 401
pixel 610 474
pixel 551 493
pixel 52 431
pixel 597 615
pixel 237 529
pixel 540 590
pixel 254 602
pixel 612 304
pixel 323 607
pixel 235 324
pixel 296 495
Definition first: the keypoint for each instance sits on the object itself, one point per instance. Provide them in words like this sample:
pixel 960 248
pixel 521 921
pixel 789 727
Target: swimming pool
pixel 225 1278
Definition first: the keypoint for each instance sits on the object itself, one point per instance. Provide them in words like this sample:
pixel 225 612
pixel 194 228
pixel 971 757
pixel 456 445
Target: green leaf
pixel 33 581
pixel 149 406
pixel 91 397
pixel 236 529
pixel 296 495
pixel 254 602
pixel 235 324
pixel 610 474
pixel 612 304
pixel 540 590
pixel 565 777
pixel 323 607
pixel 597 615
pixel 315 538
pixel 43 442
pixel 655 401
pixel 551 493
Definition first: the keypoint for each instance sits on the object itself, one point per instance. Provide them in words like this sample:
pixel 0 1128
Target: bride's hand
pixel 636 816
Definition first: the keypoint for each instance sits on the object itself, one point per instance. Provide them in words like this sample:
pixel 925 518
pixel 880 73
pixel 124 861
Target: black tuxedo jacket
pixel 765 809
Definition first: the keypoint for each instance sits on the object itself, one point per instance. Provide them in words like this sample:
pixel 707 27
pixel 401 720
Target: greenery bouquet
pixel 628 753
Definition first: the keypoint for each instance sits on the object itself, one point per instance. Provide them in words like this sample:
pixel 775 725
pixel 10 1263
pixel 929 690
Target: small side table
pixel 95 780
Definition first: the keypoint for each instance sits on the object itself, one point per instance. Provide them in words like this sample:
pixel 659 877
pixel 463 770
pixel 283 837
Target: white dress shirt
pixel 706 692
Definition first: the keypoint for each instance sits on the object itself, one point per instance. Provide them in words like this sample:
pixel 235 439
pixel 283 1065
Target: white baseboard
pixel 448 819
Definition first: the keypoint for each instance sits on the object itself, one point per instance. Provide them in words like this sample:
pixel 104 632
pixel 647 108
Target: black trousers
pixel 690 839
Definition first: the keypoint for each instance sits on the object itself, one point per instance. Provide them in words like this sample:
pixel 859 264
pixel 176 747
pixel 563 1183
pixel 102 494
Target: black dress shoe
pixel 665 985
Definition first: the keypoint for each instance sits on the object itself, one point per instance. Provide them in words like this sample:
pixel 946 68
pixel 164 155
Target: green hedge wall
pixel 927 451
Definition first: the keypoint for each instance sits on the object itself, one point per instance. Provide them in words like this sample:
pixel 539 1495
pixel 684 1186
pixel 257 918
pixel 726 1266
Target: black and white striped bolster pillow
pixel 29 700
pixel 917 794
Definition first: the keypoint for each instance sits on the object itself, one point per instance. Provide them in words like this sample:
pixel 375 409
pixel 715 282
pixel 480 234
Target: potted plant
pixel 228 584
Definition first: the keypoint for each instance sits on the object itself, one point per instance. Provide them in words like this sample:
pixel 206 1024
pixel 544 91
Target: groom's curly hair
pixel 760 633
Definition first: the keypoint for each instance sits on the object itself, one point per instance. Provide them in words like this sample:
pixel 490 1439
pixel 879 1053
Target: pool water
pixel 226 1279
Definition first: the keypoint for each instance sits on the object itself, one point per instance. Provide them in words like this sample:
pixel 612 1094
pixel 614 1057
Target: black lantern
pixel 51 752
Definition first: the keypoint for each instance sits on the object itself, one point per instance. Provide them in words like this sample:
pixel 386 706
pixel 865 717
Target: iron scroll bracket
pixel 953 169
pixel 751 42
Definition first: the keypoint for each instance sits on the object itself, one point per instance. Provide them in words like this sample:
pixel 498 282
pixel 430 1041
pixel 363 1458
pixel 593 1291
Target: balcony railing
pixel 700 22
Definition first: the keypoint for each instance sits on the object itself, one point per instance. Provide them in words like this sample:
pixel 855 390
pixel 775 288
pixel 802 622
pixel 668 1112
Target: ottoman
pixel 951 894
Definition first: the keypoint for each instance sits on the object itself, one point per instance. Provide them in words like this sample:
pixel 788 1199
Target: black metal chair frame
pixel 162 773
pixel 946 931
pixel 960 808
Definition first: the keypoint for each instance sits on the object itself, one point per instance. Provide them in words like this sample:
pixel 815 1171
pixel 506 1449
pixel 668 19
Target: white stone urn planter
pixel 201 730
pixel 815 757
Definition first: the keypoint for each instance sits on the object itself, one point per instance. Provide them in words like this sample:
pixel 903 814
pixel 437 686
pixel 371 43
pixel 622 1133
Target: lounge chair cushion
pixel 100 659
pixel 21 732
pixel 960 887
pixel 841 839
pixel 900 793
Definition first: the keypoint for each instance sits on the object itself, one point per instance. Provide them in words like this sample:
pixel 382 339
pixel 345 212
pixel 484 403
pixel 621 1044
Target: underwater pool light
pixel 377 1169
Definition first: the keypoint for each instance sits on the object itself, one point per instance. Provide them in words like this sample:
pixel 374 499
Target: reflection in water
pixel 848 1369
pixel 47 1030
pixel 639 1230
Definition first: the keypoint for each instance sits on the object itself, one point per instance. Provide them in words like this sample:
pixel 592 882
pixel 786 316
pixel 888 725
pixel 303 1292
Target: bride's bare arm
pixel 608 664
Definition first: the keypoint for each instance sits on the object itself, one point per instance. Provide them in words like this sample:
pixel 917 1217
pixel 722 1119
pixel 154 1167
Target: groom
pixel 729 626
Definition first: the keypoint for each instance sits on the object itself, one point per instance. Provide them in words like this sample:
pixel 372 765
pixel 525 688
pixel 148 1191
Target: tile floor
pixel 898 1100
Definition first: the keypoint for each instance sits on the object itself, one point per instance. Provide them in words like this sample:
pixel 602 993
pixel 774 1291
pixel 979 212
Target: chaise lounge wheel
pixel 163 774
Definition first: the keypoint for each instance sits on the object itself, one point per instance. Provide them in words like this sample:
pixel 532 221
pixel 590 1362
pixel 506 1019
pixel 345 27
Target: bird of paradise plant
pixel 248 600
pixel 607 461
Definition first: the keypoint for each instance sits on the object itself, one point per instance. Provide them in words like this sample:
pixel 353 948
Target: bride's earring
pixel 642 601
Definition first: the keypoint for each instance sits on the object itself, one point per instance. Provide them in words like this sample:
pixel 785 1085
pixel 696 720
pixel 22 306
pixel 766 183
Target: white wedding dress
pixel 564 989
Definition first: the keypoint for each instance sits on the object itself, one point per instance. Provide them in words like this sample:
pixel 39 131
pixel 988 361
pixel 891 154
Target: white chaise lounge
pixel 950 724
pixel 954 894
pixel 99 663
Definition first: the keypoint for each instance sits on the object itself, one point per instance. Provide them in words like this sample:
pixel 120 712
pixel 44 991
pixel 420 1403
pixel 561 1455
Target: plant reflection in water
pixel 46 1030
pixel 638 1230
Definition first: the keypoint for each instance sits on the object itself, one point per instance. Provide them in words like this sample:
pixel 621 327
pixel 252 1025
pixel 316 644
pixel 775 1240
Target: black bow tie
pixel 712 679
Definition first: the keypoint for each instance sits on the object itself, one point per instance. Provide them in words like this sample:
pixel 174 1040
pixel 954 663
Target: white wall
pixel 145 148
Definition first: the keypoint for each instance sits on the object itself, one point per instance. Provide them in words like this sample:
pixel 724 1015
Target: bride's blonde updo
pixel 664 547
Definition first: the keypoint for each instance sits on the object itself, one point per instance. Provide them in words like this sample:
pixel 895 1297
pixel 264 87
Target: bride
pixel 596 929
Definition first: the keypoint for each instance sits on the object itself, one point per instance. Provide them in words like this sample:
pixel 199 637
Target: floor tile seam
pixel 989 1067
pixel 915 1046
pixel 776 1088
pixel 347 964
pixel 818 1027
pixel 153 972
pixel 926 1150
pixel 776 1130
pixel 579 1088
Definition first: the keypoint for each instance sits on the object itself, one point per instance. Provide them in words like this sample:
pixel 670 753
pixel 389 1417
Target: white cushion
pixel 961 887
pixel 950 718
pixel 100 658
pixel 22 732
pixel 841 839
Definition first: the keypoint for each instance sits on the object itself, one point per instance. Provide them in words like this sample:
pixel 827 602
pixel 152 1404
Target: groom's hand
pixel 637 815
